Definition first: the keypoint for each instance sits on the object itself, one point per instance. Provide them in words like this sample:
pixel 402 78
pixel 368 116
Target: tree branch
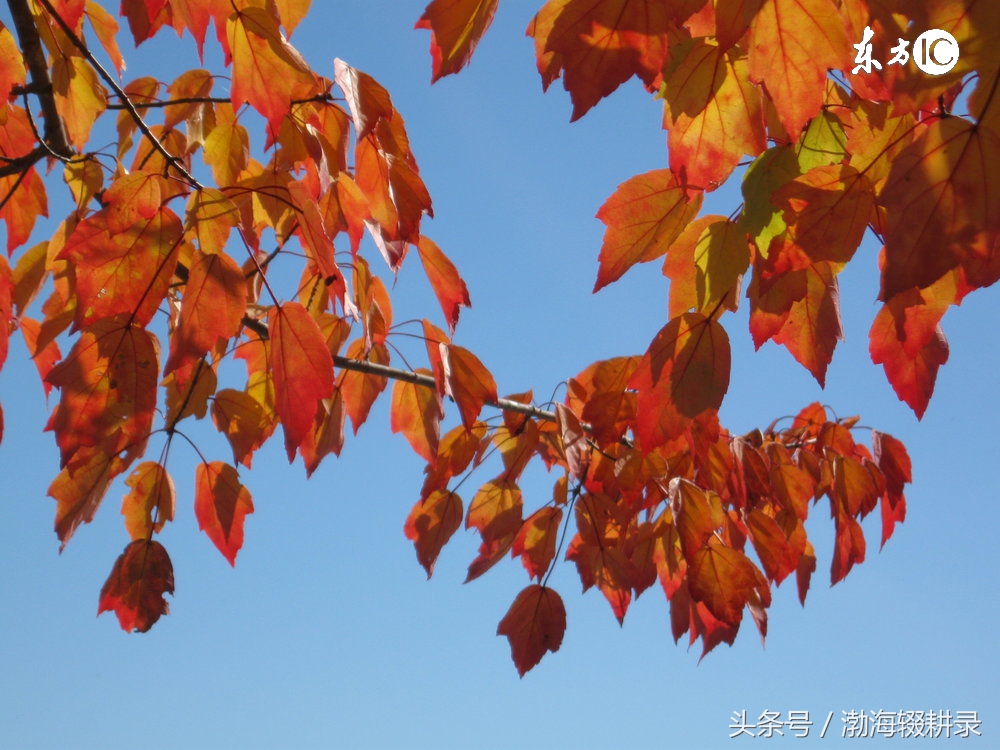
pixel 172 160
pixel 41 84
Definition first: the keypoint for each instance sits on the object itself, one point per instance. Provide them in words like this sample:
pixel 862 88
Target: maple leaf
pixel 416 412
pixel 534 624
pixel 643 217
pixel 431 523
pixel 150 503
pixel 940 213
pixel 448 286
pixel 268 72
pixel 712 113
pixel 684 373
pixel 467 381
pixel 456 27
pixel 792 44
pixel 535 542
pixel 303 371
pixel 221 504
pixel 141 575
pixel 596 45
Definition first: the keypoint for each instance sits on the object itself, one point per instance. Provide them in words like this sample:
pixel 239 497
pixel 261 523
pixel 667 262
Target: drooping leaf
pixel 448 286
pixel 221 504
pixel 431 523
pixel 456 27
pixel 141 575
pixel 467 381
pixel 941 210
pixel 596 45
pixel 416 412
pixel 149 504
pixel 534 624
pixel 268 72
pixel 303 370
pixel 535 542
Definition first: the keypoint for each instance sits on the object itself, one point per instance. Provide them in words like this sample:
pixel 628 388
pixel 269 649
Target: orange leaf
pixel 79 96
pixel 712 113
pixel 792 44
pixel 123 269
pixel 268 72
pixel 108 390
pixel 303 370
pixel 643 217
pixel 448 286
pixel 212 308
pixel 599 44
pixel 799 309
pixel 431 523
pixel 534 624
pixel 368 101
pixel 141 575
pixel 150 503
pixel 535 542
pixel 574 442
pixel 907 340
pixel 467 381
pixel 221 504
pixel 496 512
pixel 360 389
pixel 327 434
pixel 684 373
pixel 706 265
pixel 79 489
pixel 244 422
pixel 607 405
pixel 893 460
pixel 456 27
pixel 723 579
pixel 416 412
pixel 940 200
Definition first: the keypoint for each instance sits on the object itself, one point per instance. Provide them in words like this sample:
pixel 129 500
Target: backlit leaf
pixel 534 624
pixel 416 412
pixel 303 370
pixel 431 523
pixel 467 381
pixel 645 214
pixel 141 575
pixel 149 504
pixel 535 542
pixel 456 27
pixel 221 504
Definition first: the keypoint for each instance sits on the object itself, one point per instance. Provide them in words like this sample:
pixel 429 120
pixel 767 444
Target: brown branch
pixel 41 84
pixel 171 160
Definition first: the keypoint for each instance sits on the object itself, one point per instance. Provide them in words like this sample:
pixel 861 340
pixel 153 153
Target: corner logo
pixel 935 52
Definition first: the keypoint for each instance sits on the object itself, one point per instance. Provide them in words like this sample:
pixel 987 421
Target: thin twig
pixel 172 160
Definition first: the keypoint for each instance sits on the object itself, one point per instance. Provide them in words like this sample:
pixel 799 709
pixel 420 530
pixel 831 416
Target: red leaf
pixel 908 342
pixel 212 308
pixel 303 370
pixel 467 381
pixel 534 624
pixel 456 27
pixel 108 390
pixel 221 504
pixel 244 422
pixel 684 373
pixel 643 217
pixel 416 412
pixel 723 579
pixel 448 286
pixel 141 575
pixel 599 44
pixel 535 542
pixel 941 205
pixel 360 389
pixel 431 523
pixel 893 460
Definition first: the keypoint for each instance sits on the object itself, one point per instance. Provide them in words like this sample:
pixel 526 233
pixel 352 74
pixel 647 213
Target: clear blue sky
pixel 326 634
